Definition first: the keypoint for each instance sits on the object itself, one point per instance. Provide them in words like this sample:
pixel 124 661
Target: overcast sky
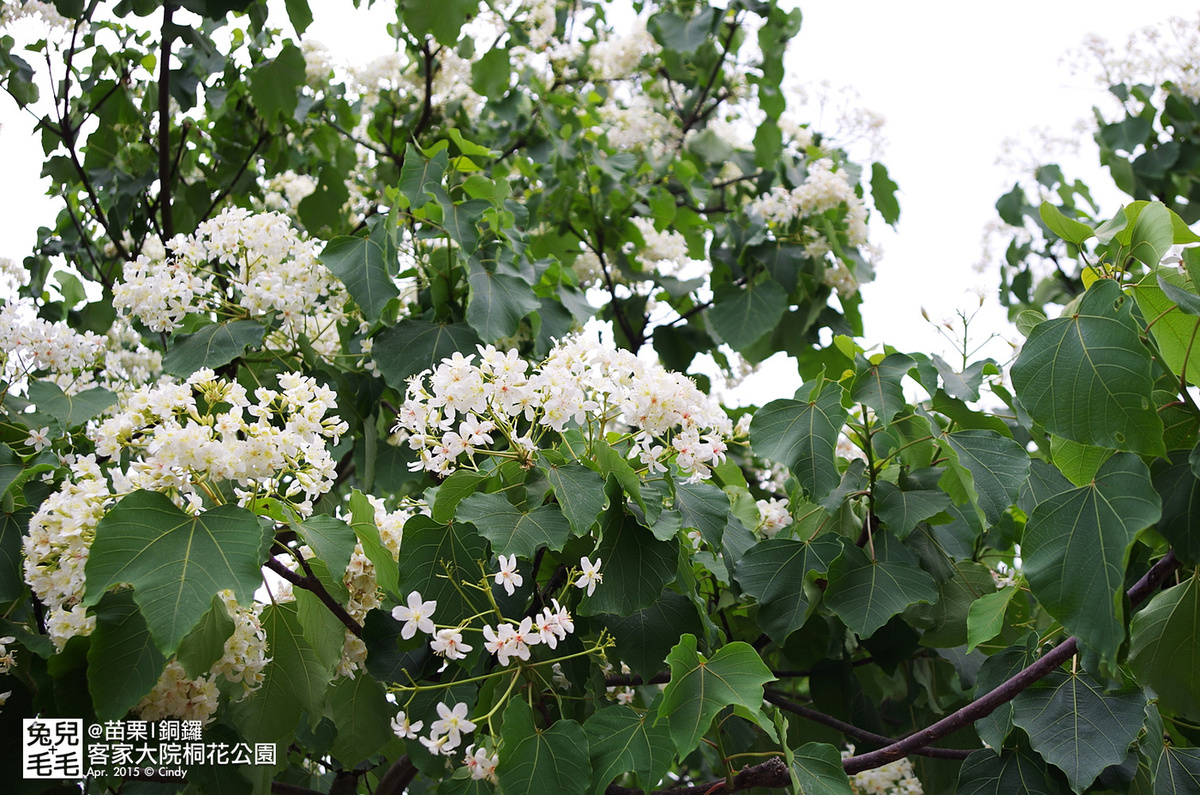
pixel 953 82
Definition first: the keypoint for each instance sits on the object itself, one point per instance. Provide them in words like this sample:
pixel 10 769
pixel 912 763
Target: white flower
pixel 405 729
pixel 508 576
pixel 590 575
pixel 449 644
pixel 417 615
pixel 453 722
pixel 39 439
pixel 481 764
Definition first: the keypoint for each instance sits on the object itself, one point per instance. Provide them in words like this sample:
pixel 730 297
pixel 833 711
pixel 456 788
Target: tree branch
pixel 772 773
pixel 397 777
pixel 164 122
pixel 984 706
pixel 310 583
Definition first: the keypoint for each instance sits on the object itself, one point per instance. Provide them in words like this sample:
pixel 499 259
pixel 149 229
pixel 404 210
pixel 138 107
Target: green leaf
pixel 362 522
pixel 300 15
pixel 883 193
pixel 1086 377
pixel 332 539
pixel 1178 771
pixel 68 411
pixel 802 435
pixel 997 466
pixel 175 561
pixel 412 346
pixel 512 531
pixel 993 729
pixel 1152 234
pixel 1175 328
pixel 542 760
pixel 740 316
pixel 205 644
pixel 123 662
pixel 436 558
pixel 212 346
pixel 295 681
pixel 902 510
pixel 645 636
pixel 579 492
pixel 12 528
pixel 1188 302
pixel 866 593
pixel 490 74
pixel 360 263
pixel 956 596
pixel 701 687
pixel 1077 726
pixel 964 385
pixel 622 740
pixel 1078 462
pixel 775 573
pixel 419 176
pixel 1176 482
pixel 453 490
pixel 362 714
pixel 11 467
pixel 1164 647
pixel 1076 545
pixel 878 385
pixel 706 508
pixel 1068 229
pixel 817 770
pixel 985 618
pixel 498 302
pixel 275 85
pixel 322 629
pixel 1011 772
pixel 684 35
pixel 636 566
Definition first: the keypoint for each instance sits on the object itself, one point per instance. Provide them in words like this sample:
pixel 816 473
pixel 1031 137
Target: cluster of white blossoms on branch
pixel 499 407
pixel 895 778
pixel 238 264
pixel 775 516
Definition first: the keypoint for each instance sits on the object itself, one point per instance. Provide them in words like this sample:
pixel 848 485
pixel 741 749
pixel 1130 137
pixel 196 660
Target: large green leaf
pixel 1077 725
pixel 461 484
pixel 817 770
pixel 212 346
pixel 419 176
pixel 332 540
pixel 706 508
pixel 512 531
pixel 1178 771
pixel 997 465
pixel 175 561
pixel 123 662
pixel 436 558
pixel 775 572
pixel 579 492
pixel 1086 376
pixel 1078 462
pixel 802 435
pixel 205 644
pixel 1151 234
pixel 865 593
pixel 1164 647
pixel 622 740
pixel 361 264
pixel 901 510
pixel 68 411
pixel 701 687
pixel 1176 483
pixel 636 566
pixel 879 385
pixel 542 760
pixel 985 616
pixel 742 315
pixel 275 84
pixel 1011 772
pixel 1076 545
pixel 411 346
pixel 12 527
pixel 1067 228
pixel 362 715
pixel 645 636
pixel 295 681
pixel 1175 330
pixel 498 302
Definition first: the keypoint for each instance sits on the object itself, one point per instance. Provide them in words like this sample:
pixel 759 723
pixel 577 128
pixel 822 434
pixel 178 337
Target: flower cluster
pixel 176 696
pixel 184 436
pixel 775 516
pixel 467 408
pixel 896 778
pixel 445 733
pixel 241 265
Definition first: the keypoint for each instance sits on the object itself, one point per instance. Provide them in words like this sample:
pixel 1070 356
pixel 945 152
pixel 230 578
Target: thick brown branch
pixel 850 730
pixel 310 583
pixel 772 773
pixel 985 705
pixel 164 122
pixel 397 777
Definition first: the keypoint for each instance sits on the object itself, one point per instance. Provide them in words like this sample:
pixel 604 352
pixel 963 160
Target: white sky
pixel 953 81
